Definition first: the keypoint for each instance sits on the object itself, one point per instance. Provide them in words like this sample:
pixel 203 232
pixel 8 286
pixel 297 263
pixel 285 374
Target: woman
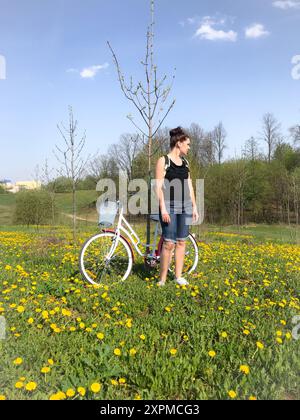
pixel 177 203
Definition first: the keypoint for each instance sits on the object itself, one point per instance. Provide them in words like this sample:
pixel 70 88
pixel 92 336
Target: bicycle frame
pixel 132 236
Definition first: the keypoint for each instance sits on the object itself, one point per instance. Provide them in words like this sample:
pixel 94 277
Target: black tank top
pixel 180 174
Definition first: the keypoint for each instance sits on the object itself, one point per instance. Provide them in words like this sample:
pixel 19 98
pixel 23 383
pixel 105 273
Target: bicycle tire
pixel 87 262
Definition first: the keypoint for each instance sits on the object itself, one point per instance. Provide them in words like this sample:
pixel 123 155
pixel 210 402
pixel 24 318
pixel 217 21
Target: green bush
pixel 33 208
pixel 2 190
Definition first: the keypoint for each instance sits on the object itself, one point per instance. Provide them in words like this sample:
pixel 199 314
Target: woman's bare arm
pixel 193 198
pixel 160 176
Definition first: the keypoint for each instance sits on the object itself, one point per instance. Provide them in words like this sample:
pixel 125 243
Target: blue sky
pixel 233 61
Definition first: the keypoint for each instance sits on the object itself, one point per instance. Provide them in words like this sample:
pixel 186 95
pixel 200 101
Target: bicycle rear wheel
pixel 97 268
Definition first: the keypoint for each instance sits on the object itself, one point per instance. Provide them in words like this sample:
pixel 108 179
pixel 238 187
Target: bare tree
pixel 295 133
pixel 126 151
pixel 162 141
pixel 197 135
pixel 103 166
pixel 271 133
pixel 37 176
pixel 237 181
pixel 251 149
pixel 150 99
pixel 295 191
pixel 219 141
pixel 73 166
pixel 99 166
pixel 208 150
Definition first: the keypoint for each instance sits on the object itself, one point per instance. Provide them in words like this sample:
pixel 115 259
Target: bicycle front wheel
pixel 96 264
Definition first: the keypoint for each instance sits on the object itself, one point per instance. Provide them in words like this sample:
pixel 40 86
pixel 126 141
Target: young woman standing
pixel 177 203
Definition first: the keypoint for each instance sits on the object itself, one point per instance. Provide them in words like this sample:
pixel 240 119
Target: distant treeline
pixel 257 186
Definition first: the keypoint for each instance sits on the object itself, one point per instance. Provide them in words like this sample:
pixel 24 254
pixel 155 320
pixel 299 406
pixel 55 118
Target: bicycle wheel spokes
pixel 99 265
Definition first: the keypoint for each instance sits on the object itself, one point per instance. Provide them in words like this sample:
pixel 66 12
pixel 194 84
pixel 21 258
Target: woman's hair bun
pixel 177 132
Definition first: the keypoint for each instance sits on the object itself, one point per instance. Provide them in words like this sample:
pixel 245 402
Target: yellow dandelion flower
pixel 117 352
pixel 31 386
pixel 252 398
pixel 45 314
pixel 70 393
pixel 81 391
pixel 51 362
pixel 18 361
pixel 114 382
pixel 173 352
pixel 2 398
pixel 53 397
pixel 132 352
pixel 245 369
pixel 212 354
pixel 96 388
pixel 232 394
pixel 20 309
pixel 122 381
pixel 260 345
pixel 100 336
pixel 45 369
pixel 19 385
pixel 61 396
pixel 142 337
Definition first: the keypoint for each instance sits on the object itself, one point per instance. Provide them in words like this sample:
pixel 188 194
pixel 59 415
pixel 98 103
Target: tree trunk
pixel 74 212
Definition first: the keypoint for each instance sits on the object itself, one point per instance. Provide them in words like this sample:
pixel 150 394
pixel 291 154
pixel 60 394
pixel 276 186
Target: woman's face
pixel 184 147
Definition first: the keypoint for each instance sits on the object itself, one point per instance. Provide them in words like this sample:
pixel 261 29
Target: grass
pixel 141 342
pixel 263 233
pixel 85 206
pixel 84 199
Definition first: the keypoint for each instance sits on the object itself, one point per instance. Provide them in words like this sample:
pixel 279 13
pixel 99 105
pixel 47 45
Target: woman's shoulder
pixel 161 162
pixel 163 159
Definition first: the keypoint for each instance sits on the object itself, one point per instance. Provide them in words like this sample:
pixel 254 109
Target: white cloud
pixel 218 19
pixel 296 68
pixel 206 31
pixel 287 4
pixel 257 30
pixel 89 72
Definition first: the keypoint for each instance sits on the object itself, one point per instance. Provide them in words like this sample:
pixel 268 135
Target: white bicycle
pixel 108 257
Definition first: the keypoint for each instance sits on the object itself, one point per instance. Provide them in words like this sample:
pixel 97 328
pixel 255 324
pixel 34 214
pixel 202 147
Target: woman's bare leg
pixel 165 260
pixel 179 258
